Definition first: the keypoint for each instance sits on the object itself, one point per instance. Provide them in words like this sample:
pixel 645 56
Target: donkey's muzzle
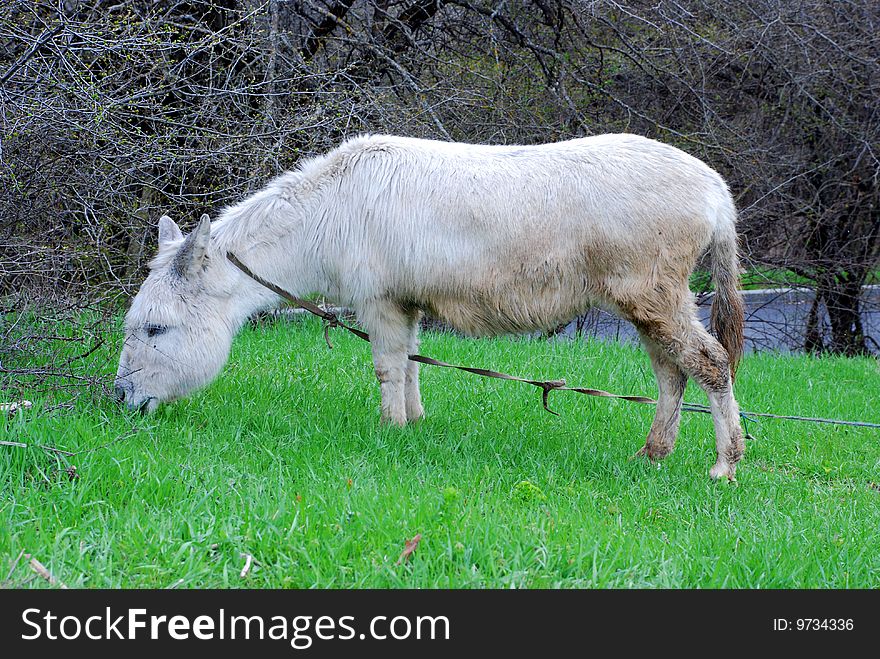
pixel 120 393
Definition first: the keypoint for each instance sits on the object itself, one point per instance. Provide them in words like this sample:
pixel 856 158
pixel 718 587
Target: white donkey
pixel 491 239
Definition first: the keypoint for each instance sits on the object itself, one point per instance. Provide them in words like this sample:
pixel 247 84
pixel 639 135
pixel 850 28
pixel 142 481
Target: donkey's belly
pixel 488 316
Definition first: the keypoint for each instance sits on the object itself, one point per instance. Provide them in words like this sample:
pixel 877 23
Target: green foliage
pixel 758 277
pixel 528 492
pixel 283 458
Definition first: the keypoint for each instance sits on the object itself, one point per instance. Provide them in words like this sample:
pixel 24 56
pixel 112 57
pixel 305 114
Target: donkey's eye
pixel 155 330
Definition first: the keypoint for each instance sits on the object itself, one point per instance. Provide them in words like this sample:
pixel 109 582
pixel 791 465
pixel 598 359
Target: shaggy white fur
pixel 492 239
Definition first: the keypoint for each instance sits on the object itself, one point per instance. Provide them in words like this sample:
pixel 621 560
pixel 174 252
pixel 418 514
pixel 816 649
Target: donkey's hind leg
pixel 686 342
pixel 708 362
pixel 671 381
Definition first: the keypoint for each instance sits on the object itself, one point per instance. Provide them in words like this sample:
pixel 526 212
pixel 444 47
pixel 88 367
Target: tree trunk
pixel 139 234
pixel 813 341
pixel 843 301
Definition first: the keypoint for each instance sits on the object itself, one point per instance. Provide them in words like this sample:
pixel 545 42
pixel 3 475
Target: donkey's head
pixel 178 331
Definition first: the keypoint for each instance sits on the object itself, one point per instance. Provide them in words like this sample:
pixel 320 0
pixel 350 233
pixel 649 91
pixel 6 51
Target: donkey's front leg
pixel 414 409
pixel 390 371
pixel 390 334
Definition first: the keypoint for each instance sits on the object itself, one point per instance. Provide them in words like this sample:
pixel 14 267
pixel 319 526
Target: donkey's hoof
pixel 654 452
pixel 723 470
pixel 395 421
pixel 415 413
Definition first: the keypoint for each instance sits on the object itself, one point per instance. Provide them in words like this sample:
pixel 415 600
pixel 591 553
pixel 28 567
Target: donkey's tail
pixel 727 317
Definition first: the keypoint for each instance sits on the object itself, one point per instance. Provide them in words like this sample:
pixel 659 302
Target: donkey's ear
pixel 168 230
pixel 191 256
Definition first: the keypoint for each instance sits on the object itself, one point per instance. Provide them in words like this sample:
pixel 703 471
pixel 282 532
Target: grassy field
pixel 759 277
pixel 283 458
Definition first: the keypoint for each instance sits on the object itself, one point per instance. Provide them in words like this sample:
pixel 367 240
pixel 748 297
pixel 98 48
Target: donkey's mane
pixel 261 217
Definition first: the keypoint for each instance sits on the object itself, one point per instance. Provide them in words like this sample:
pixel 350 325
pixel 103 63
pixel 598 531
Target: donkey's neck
pixel 265 232
pixel 253 223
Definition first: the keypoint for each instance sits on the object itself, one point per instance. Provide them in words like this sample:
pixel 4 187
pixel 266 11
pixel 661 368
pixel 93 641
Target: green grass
pixel 760 277
pixel 283 458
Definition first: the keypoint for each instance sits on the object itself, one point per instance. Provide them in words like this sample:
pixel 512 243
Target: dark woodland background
pixel 115 112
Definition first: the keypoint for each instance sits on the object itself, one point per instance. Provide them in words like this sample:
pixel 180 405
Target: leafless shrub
pixel 116 112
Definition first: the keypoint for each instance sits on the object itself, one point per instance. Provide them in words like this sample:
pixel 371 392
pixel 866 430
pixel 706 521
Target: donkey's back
pixel 517 238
